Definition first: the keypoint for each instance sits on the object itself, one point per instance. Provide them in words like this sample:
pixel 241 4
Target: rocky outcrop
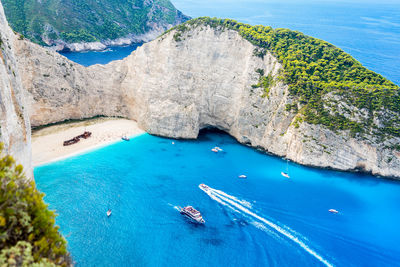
pixel 91 25
pixel 15 131
pixel 177 87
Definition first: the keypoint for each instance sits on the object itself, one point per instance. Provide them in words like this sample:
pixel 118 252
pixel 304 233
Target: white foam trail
pixel 243 202
pixel 223 203
pixel 214 194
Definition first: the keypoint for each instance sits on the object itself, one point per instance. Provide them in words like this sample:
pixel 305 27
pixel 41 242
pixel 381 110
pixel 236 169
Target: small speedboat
pixel 125 138
pixel 333 211
pixel 214 150
pixel 193 214
pixel 109 213
pixel 204 187
pixel 284 174
pixel 243 176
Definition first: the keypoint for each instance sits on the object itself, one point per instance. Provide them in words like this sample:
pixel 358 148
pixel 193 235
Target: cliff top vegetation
pixel 329 87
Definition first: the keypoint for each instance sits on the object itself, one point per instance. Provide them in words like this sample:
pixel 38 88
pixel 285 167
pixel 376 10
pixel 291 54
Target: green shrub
pixel 266 82
pixel 27 228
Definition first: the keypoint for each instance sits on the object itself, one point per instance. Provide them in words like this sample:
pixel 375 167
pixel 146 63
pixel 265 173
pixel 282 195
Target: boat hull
pixel 199 220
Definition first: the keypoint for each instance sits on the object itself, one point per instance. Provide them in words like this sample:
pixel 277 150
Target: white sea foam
pixel 229 201
pixel 243 202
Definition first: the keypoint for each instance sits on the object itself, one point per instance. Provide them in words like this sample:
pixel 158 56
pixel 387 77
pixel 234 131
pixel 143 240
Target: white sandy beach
pixel 47 143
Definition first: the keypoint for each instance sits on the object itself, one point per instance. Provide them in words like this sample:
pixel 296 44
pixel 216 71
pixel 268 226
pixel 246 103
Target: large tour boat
pixel 192 213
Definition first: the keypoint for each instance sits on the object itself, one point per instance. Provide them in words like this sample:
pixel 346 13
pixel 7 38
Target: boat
pixel 218 148
pixel 193 214
pixel 284 174
pixel 125 138
pixel 109 213
pixel 243 176
pixel 333 211
pixel 85 135
pixel 204 187
pixel 214 150
pixel 76 139
pixel 71 141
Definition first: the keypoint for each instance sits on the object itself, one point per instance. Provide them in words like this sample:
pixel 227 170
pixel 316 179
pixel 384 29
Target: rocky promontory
pixel 91 25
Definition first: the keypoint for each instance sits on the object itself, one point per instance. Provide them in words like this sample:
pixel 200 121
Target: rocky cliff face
pixel 205 80
pixel 177 87
pixel 58 89
pixel 14 121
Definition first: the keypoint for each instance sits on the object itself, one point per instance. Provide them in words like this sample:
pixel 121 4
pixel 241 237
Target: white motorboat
pixel 204 187
pixel 284 174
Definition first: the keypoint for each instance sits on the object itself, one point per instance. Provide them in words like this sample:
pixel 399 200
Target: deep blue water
pixel 103 57
pixel 368 30
pixel 264 220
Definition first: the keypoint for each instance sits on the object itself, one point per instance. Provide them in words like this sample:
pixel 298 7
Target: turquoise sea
pixel 264 220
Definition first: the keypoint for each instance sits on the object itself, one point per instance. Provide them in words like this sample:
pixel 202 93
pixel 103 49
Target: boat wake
pixel 175 207
pixel 245 208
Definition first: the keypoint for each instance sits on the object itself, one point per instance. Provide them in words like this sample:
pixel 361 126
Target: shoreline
pixel 84 151
pixel 47 142
pixel 101 45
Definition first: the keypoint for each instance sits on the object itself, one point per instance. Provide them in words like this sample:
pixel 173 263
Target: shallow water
pixel 264 220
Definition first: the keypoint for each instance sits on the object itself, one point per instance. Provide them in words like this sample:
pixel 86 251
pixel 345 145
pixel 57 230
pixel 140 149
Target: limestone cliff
pixel 177 87
pixel 14 121
pixel 58 89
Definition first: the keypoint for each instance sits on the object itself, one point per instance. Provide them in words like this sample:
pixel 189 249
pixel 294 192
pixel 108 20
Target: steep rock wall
pixel 59 89
pixel 14 122
pixel 176 87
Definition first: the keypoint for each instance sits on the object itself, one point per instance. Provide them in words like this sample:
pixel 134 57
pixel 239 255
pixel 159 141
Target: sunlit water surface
pixel 264 220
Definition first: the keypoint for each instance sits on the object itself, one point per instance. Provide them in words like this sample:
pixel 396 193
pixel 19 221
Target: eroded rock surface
pixel 15 131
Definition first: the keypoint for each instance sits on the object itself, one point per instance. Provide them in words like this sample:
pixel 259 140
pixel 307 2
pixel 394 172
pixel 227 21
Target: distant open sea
pixel 370 32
